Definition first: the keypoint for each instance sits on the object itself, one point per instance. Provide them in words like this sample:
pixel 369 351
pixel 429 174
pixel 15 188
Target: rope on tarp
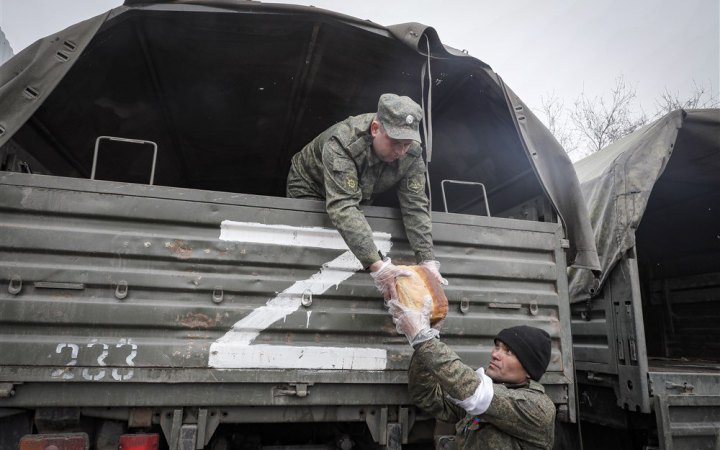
pixel 427 129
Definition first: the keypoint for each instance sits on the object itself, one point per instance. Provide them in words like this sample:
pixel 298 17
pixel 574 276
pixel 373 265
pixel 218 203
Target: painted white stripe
pixel 291 357
pixel 288 301
pixel 259 233
pixel 233 350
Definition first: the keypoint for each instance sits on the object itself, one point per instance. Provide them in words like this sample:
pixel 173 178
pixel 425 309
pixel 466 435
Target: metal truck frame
pixel 645 336
pixel 155 279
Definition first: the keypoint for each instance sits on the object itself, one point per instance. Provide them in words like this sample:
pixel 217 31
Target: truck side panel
pixel 185 297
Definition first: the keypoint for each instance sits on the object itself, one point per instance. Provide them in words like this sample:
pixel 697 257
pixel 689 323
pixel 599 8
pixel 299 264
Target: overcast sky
pixel 537 46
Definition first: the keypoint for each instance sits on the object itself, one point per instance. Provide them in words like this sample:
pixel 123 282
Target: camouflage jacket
pixel 340 167
pixel 519 418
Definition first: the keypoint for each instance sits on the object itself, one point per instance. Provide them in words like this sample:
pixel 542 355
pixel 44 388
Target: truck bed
pixel 189 297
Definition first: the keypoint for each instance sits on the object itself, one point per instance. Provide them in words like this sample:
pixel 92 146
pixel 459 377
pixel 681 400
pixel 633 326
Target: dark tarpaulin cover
pixel 547 157
pixel 554 168
pixel 27 79
pixel 43 65
pixel 617 182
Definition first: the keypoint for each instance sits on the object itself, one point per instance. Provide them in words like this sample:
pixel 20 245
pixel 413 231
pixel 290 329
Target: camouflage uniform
pixel 520 417
pixel 340 166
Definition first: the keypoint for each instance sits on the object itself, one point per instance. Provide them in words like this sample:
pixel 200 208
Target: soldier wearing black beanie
pixel 499 407
pixel 531 346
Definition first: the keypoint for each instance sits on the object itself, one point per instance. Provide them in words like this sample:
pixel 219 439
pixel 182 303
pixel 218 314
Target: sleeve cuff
pixel 424 256
pixel 480 401
pixel 368 259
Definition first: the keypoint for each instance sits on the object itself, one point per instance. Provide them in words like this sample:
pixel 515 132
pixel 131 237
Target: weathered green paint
pixel 164 243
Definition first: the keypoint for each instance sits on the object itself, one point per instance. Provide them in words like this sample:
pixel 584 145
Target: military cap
pixel 400 116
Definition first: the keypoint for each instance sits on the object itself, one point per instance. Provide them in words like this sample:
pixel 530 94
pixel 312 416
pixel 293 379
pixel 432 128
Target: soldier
pixel 351 162
pixel 504 407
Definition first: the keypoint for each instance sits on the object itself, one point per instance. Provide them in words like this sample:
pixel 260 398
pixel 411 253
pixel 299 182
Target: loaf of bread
pixel 413 290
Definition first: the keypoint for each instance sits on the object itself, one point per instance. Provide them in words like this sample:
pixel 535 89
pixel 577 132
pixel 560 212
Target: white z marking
pixel 233 350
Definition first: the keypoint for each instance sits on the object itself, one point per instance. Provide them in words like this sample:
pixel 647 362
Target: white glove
pixel 434 267
pixel 413 323
pixel 385 277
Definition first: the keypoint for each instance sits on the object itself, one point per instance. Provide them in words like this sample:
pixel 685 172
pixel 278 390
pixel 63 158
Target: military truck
pixel 645 334
pixel 159 288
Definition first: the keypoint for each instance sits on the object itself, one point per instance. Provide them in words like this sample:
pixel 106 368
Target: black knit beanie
pixel 531 346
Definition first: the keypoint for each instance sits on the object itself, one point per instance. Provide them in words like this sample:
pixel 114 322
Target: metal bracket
pixel 297 389
pixel 189 431
pixel 170 422
pixel 128 141
pixel 7 390
pixel 464 305
pixel 591 376
pixel 393 434
pixel 377 424
pixel 473 183
pixel 586 315
pixel 533 308
pixel 207 424
pixel 188 437
pixel 404 419
pixel 121 290
pixel 394 437
pixel 495 305
pixel 218 295
pixel 59 285
pixel 307 298
pixel 15 285
pixel 684 388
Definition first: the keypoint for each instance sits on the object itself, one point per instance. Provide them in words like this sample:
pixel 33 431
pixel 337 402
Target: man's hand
pixel 413 323
pixel 434 267
pixel 384 274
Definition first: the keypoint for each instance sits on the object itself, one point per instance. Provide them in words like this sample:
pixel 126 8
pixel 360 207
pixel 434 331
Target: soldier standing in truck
pixel 359 157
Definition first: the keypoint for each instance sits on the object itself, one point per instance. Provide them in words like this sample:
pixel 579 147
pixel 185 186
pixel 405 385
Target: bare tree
pixel 553 111
pixel 699 98
pixel 602 120
pixel 593 123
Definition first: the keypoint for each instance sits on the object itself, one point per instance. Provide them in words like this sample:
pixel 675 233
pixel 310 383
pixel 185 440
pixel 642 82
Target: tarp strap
pixel 428 118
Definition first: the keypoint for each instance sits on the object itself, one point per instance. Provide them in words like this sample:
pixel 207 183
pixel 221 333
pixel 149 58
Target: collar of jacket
pixel 530 384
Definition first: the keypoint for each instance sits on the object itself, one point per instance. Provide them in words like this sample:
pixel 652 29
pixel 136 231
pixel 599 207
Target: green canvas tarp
pixel 617 182
pixel 189 76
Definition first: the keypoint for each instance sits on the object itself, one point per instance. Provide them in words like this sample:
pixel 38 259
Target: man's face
pixel 385 147
pixel 504 366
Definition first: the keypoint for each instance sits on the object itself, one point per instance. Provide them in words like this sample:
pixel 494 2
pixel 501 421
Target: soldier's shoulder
pixel 534 392
pixel 415 150
pixel 540 398
pixel 536 386
pixel 353 128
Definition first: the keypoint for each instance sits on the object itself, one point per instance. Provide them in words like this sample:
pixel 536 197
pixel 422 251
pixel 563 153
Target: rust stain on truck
pixel 196 320
pixel 179 248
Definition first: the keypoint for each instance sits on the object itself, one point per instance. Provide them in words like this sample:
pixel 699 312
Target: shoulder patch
pixel 416 183
pixel 351 182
